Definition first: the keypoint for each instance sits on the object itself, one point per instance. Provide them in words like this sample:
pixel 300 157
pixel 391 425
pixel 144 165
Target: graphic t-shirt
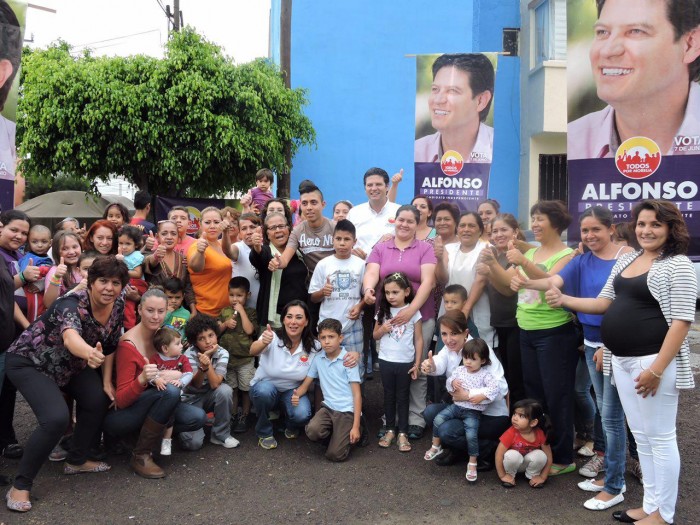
pixel 346 277
pixel 397 346
pixel 314 243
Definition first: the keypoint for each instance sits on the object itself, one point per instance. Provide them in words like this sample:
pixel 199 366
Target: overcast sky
pixel 126 27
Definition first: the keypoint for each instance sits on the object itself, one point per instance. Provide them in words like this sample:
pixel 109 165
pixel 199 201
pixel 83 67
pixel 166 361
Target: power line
pixel 118 37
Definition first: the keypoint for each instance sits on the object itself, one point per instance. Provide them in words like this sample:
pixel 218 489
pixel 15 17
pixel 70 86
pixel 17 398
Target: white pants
pixel 652 421
pixel 531 463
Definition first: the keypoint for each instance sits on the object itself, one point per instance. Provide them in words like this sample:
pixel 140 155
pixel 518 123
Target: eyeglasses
pixel 277 227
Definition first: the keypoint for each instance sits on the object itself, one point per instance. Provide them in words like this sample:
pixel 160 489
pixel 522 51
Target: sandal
pixel 434 452
pixel 558 470
pixel 404 444
pixel 387 439
pixel 471 473
pixel 99 466
pixel 16 505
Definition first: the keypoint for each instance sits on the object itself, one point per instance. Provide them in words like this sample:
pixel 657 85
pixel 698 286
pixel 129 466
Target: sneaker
pixel 229 442
pixel 415 432
pixel 58 453
pixel 586 451
pixel 268 443
pixel 240 424
pixel 595 466
pixel 12 451
pixel 634 468
pixel 166 447
pixel 291 433
pixel 590 486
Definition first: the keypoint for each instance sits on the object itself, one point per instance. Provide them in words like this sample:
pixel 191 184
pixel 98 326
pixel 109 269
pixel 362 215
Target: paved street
pixel 294 483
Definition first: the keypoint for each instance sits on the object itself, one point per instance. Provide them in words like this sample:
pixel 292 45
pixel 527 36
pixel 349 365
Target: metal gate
pixel 554 178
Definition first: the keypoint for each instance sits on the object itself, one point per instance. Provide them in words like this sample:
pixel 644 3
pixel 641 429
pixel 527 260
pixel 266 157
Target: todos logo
pixel 195 220
pixel 638 157
pixel 451 162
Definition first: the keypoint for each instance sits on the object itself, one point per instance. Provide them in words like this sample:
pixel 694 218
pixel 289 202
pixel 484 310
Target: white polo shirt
pixel 286 370
pixel 370 225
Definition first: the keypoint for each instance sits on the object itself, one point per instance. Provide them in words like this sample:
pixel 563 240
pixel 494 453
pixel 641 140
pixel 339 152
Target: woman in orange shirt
pixel 210 269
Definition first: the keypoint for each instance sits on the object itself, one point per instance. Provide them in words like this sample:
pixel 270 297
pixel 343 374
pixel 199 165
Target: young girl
pixel 398 360
pixel 63 277
pixel 469 376
pixel 524 447
pixel 174 368
pixel 84 262
pixel 129 242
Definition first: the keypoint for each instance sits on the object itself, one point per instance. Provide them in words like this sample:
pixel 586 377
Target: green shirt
pixel 236 341
pixel 533 311
pixel 178 320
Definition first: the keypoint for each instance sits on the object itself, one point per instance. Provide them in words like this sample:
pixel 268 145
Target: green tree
pixel 191 124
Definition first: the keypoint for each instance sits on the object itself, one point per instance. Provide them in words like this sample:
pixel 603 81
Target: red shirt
pixel 129 364
pixel 513 440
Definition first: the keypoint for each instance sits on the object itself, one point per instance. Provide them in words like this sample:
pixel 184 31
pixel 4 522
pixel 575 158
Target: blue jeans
pixel 265 397
pixel 613 426
pixel 451 433
pixel 549 371
pixel 585 415
pixel 469 417
pixel 160 406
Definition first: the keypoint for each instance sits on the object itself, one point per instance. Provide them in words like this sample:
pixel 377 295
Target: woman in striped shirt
pixel 649 303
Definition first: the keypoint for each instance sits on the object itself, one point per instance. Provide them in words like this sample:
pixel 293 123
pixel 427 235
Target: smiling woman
pixel 59 354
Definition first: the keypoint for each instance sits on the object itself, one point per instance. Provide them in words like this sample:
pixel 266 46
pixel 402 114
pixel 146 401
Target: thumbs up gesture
pixel 517 282
pixel 438 247
pixel 553 296
pixel 120 253
pixel 61 269
pixel 295 398
pixel 274 263
pixel 160 252
pixel 513 255
pixel 202 244
pixel 267 335
pixel 397 177
pixel 327 288
pixel 95 356
pixel 428 366
pixel 150 242
pixel 31 273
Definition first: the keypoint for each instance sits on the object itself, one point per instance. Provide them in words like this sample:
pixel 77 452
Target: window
pixel 548 30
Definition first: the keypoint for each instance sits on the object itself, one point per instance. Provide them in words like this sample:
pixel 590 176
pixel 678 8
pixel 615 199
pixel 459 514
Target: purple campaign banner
pixel 194 207
pixel 465 189
pixel 597 182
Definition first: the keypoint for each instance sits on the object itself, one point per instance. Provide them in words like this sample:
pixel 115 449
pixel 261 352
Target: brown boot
pixel 149 439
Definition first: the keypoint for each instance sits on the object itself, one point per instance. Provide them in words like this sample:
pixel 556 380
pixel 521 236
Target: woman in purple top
pixel 404 253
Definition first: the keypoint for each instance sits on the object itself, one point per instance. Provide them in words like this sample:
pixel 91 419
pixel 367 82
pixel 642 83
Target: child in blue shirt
pixel 339 416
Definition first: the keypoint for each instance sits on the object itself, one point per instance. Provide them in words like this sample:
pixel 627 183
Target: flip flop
pixel 558 470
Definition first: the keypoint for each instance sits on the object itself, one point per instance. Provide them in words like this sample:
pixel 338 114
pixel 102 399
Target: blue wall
pixel 351 56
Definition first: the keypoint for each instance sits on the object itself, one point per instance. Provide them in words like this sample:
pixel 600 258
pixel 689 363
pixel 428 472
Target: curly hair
pixel 667 213
pixel 199 324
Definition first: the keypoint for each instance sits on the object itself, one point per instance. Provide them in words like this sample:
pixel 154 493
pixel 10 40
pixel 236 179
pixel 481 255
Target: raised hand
pixel 438 247
pixel 513 255
pixel 327 288
pixel 31 273
pixel 96 357
pixel 397 177
pixel 202 244
pixel 517 282
pixel 149 372
pixel 554 297
pixel 61 269
pixel 428 366
pixel 274 263
pixel 160 252
pixel 267 335
pixel 150 241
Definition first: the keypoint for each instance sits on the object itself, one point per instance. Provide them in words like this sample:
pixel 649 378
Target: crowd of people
pixel 519 356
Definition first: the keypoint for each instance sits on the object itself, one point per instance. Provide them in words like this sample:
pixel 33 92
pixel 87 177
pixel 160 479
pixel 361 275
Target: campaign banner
pixel 12 21
pixel 453 147
pixel 633 109
pixel 194 208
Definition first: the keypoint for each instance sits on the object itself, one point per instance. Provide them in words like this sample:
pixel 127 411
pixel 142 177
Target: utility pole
pixel 284 184
pixel 176 15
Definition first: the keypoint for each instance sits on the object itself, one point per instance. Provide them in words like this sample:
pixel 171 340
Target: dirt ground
pixel 294 483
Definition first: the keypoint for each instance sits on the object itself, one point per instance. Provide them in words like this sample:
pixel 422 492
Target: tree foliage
pixel 191 124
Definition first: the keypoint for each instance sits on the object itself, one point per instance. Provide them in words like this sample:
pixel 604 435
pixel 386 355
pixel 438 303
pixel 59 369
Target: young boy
pixel 454 298
pixel 257 197
pixel 177 315
pixel 238 325
pixel 36 254
pixel 208 389
pixel 173 368
pixel 339 416
pixel 336 283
